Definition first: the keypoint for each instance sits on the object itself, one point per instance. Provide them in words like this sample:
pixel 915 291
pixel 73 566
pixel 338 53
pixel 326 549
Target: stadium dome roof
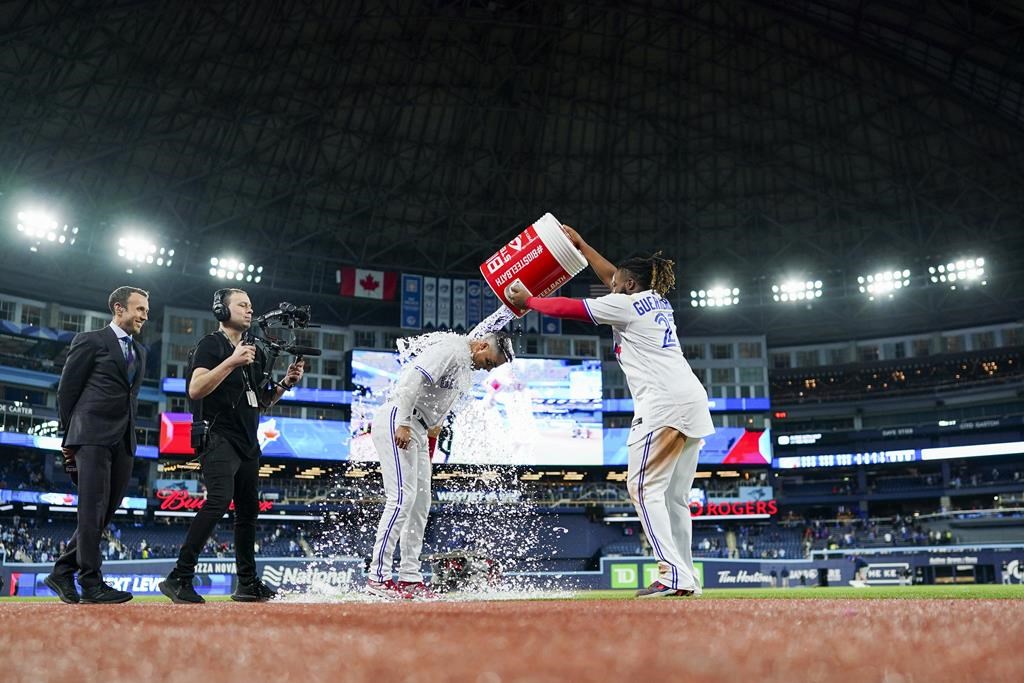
pixel 752 140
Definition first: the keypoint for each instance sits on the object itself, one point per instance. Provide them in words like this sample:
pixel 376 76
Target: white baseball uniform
pixel 426 389
pixel 671 418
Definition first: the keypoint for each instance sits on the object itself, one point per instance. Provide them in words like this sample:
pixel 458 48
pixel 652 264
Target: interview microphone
pixel 302 351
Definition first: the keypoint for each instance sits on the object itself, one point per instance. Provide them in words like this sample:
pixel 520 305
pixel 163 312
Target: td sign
pixel 636 574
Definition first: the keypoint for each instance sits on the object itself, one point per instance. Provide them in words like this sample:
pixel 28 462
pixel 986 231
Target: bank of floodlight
pixel 40 227
pixel 232 269
pixel 715 297
pixel 796 290
pixel 139 250
pixel 883 284
pixel 960 273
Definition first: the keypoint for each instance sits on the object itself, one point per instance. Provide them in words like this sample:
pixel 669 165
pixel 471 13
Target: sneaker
pixel 104 594
pixel 389 590
pixel 418 590
pixel 660 590
pixel 180 591
pixel 253 590
pixel 64 587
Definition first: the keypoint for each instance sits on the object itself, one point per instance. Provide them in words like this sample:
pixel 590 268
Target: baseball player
pixel 671 406
pixel 427 388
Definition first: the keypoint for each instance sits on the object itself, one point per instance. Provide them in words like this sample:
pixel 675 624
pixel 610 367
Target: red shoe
pixel 418 590
pixel 389 590
pixel 660 590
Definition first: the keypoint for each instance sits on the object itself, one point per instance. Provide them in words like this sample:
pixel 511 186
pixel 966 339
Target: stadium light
pixel 233 269
pixel 883 284
pixel 41 227
pixel 962 272
pixel 796 290
pixel 139 251
pixel 715 297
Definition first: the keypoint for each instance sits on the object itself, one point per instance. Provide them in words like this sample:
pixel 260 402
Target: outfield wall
pixel 216 576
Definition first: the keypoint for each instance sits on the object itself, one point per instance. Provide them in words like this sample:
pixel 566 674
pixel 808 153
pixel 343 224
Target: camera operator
pixel 224 385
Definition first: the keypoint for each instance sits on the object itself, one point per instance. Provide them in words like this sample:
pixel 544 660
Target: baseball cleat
pixel 388 590
pixel 418 590
pixel 660 590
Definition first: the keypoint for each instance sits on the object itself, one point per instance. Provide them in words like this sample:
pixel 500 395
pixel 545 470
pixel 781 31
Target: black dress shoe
pixel 64 587
pixel 253 590
pixel 104 594
pixel 180 591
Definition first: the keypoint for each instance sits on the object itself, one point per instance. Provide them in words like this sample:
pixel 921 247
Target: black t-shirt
pixel 226 407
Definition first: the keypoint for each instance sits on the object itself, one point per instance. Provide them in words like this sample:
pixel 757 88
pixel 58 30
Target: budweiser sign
pixel 172 499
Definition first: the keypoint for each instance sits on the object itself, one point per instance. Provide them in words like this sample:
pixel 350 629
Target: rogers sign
pixel 745 509
pixel 171 499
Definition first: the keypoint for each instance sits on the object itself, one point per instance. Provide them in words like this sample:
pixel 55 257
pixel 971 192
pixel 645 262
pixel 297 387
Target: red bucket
pixel 541 259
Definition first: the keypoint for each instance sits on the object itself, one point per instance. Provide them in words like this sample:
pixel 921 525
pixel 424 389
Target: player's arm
pixel 603 268
pixel 612 309
pixel 417 375
pixel 555 306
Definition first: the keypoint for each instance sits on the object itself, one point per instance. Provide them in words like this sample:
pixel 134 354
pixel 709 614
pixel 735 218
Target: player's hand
pixel 517 295
pixel 403 435
pixel 69 454
pixel 574 237
pixel 244 354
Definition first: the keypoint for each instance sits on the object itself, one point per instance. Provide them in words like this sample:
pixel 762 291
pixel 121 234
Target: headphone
pixel 220 310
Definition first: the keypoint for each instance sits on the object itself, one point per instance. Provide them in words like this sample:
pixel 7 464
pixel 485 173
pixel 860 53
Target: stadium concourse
pixel 816 204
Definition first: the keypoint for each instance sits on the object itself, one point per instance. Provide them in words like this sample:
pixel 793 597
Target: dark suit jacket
pixel 95 402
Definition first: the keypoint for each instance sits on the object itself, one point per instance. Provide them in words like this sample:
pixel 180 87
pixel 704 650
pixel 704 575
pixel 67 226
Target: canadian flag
pixel 369 284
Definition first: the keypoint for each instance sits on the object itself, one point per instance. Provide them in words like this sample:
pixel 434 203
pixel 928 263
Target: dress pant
pixel 103 474
pixel 228 477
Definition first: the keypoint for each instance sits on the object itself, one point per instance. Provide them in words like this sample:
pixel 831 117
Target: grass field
pixel 974 592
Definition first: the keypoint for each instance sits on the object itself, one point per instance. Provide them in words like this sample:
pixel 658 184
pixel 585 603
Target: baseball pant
pixel 406 474
pixel 661 470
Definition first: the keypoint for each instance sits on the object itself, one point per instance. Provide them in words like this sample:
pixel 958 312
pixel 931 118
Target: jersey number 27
pixel 666 321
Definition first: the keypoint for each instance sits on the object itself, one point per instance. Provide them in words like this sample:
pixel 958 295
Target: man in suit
pixel 97 400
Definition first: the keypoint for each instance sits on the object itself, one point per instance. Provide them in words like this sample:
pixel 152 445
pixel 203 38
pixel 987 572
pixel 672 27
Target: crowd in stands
pixel 21 471
pixel 872 533
pixel 896 378
pixel 961 477
pixel 26 539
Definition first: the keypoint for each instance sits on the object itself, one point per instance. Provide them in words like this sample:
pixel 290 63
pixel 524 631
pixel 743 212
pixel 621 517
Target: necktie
pixel 129 358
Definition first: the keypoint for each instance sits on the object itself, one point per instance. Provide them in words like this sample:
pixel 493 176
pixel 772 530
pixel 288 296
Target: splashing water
pixel 503 525
pixel 492 323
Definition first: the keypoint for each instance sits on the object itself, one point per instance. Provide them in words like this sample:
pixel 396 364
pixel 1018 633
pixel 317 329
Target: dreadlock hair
pixel 652 272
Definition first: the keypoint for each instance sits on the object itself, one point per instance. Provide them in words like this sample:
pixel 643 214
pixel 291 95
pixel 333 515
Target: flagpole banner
pixel 474 304
pixel 459 305
pixel 532 322
pixel 444 302
pixel 491 302
pixel 430 302
pixel 549 325
pixel 412 302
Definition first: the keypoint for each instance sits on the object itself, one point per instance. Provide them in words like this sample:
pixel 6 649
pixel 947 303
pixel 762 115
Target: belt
pixel 419 418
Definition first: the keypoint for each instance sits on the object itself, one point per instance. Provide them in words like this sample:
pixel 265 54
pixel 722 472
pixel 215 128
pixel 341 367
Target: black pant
pixel 227 476
pixel 103 474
